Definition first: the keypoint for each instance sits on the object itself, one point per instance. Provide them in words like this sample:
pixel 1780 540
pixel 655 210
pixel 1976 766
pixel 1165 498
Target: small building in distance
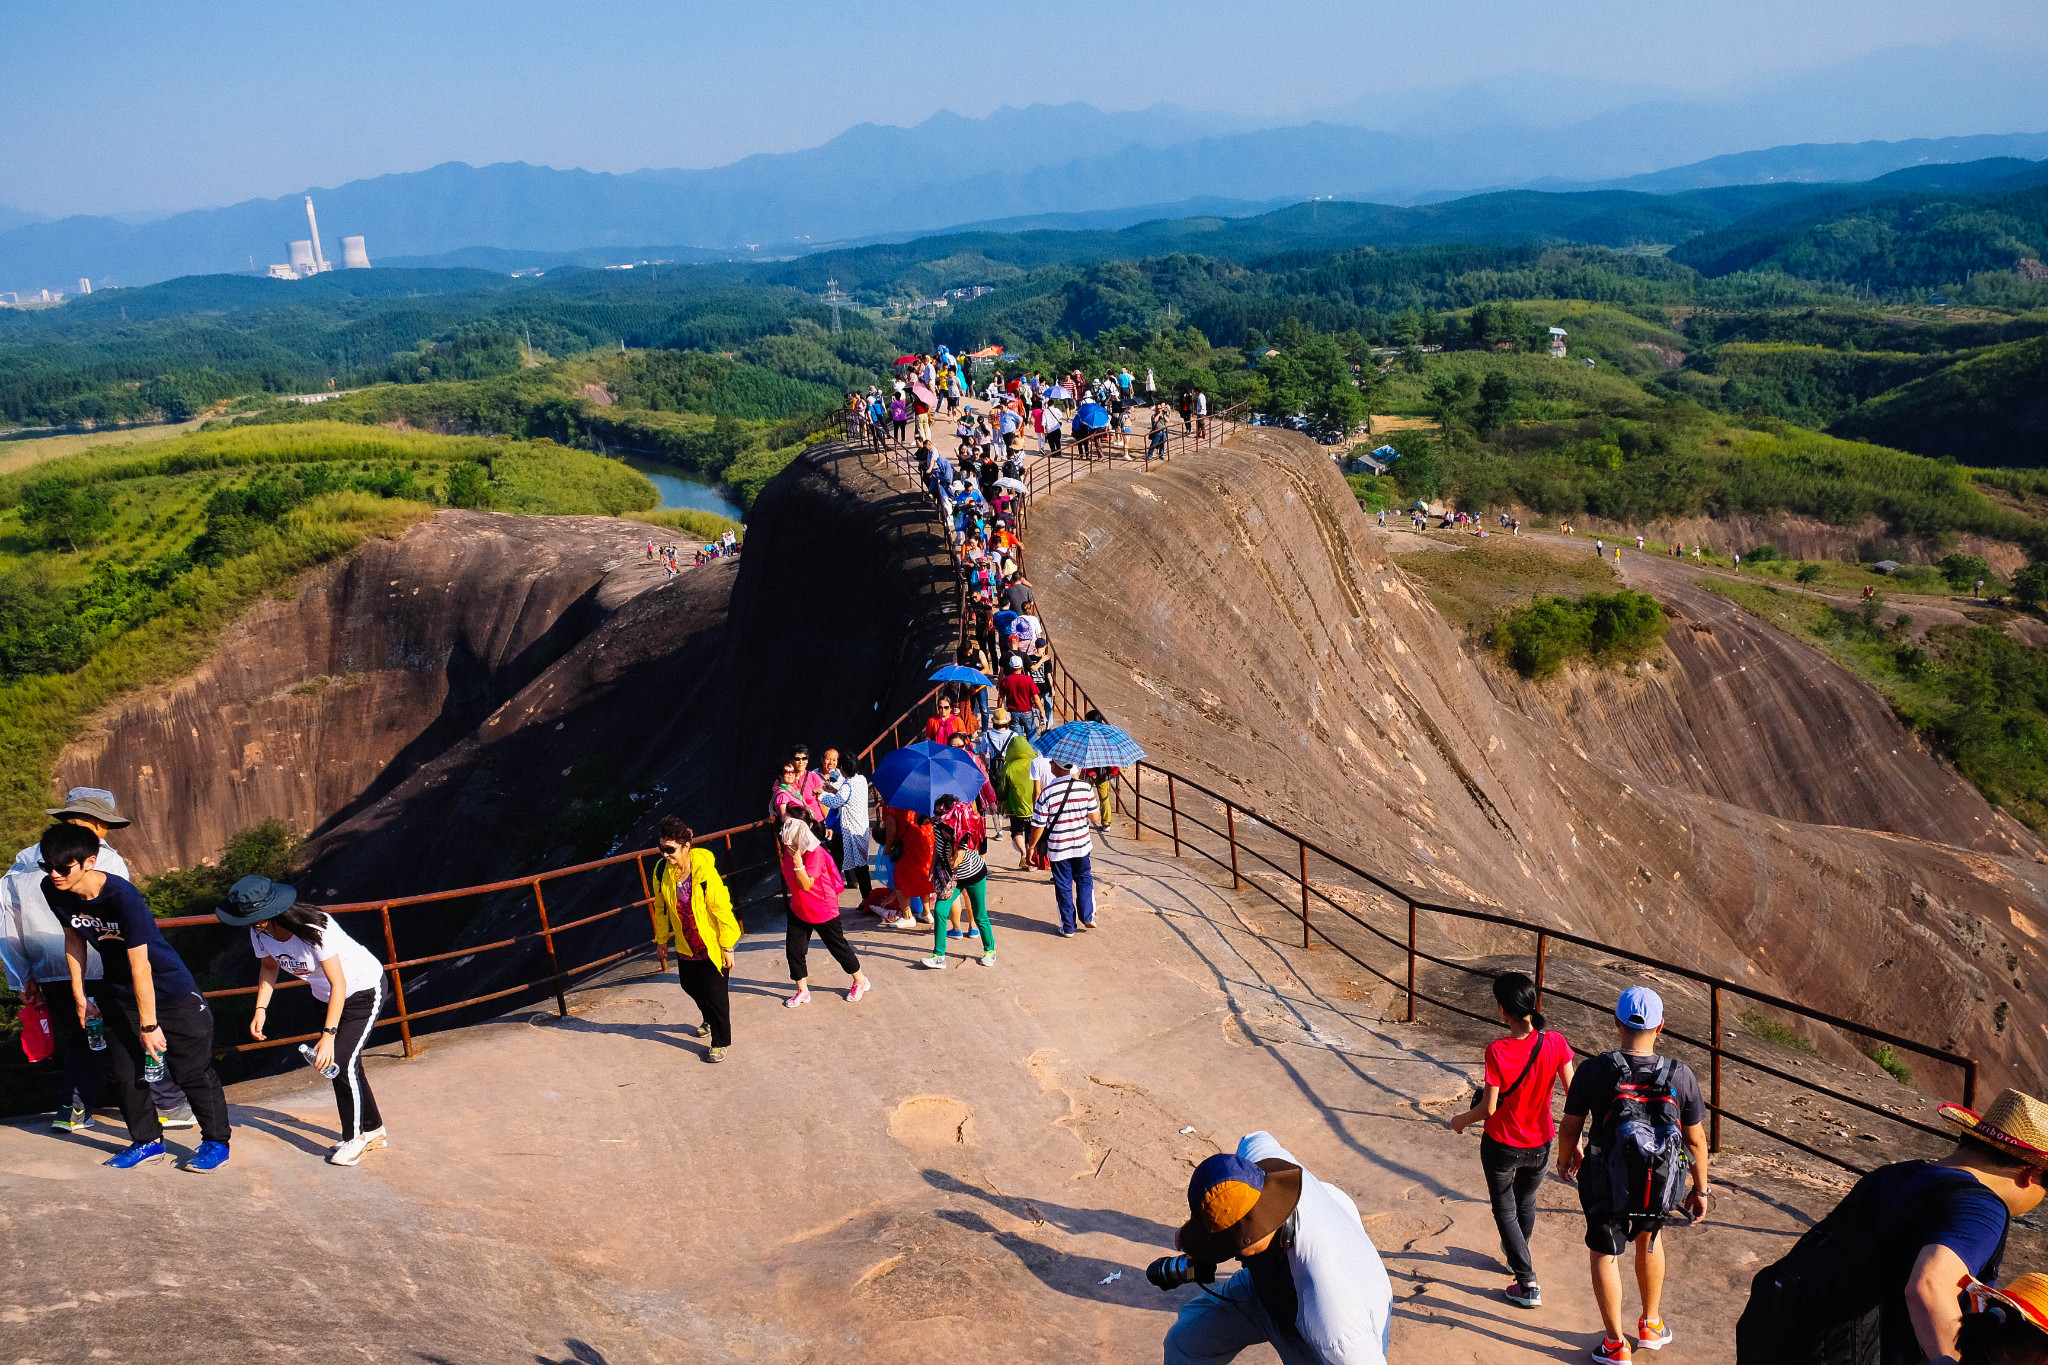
pixel 1557 336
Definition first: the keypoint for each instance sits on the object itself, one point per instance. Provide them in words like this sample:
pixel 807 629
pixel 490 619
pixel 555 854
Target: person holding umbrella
pixel 1063 818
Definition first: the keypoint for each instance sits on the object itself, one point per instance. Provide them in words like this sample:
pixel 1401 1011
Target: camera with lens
pixel 1171 1272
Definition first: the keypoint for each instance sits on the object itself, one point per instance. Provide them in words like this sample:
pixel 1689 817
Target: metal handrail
pixel 1417 901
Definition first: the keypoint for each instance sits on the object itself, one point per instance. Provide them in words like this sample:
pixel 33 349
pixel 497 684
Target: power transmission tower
pixel 836 300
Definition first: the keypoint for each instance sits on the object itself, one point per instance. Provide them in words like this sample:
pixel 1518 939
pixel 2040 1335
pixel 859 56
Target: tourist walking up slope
pixel 346 978
pixel 158 1021
pixel 1646 1128
pixel 957 871
pixel 693 917
pixel 814 885
pixel 1062 823
pixel 1522 1071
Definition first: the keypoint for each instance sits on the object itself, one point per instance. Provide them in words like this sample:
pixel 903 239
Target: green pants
pixel 977 896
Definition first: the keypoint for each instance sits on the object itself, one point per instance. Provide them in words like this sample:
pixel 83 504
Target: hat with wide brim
pixel 2015 1124
pixel 253 900
pixel 1278 1195
pixel 93 804
pixel 2027 1295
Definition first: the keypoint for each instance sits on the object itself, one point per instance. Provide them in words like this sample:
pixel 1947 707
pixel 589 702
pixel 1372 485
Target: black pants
pixel 82 1069
pixel 352 1097
pixel 865 881
pixel 706 984
pixel 1513 1175
pixel 188 1040
pixel 797 945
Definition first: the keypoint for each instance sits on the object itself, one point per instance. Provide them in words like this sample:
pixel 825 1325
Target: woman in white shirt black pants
pixel 288 935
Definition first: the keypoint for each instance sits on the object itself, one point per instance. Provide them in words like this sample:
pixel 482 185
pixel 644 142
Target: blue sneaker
pixel 138 1154
pixel 211 1156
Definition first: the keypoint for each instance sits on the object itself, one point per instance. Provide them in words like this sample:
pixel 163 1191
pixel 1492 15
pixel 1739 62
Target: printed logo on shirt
pixel 93 924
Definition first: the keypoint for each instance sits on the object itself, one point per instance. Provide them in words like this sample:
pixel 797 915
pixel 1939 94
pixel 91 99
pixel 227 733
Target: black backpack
pixel 1823 1302
pixel 1642 1151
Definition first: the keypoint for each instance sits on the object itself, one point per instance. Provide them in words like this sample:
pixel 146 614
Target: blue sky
pixel 108 106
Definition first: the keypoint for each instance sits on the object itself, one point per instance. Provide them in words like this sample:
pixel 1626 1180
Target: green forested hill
pixel 1990 408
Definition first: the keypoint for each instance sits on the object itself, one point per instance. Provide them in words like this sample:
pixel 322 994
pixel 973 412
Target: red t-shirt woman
pixel 1522 1071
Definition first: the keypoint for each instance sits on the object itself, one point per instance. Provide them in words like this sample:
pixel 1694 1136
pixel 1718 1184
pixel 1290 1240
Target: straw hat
pixel 2015 1124
pixel 2027 1295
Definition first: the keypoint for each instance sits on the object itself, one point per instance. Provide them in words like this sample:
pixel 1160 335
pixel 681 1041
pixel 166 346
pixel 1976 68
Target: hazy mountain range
pixel 1068 165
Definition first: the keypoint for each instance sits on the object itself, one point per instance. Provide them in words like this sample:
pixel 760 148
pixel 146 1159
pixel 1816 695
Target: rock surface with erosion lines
pixel 1244 623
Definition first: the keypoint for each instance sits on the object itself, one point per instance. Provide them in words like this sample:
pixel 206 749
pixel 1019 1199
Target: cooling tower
pixel 302 257
pixel 354 256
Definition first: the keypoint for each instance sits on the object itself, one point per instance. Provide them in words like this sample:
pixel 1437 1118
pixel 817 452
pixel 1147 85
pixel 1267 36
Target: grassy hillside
pixel 119 567
pixel 1988 408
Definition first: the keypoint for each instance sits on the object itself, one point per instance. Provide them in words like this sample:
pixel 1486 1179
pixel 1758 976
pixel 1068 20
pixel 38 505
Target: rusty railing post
pixel 1542 957
pixel 1714 1130
pixel 547 936
pixel 653 924
pixel 1137 801
pixel 1411 963
pixel 1173 814
pixel 397 981
pixel 1304 891
pixel 1230 822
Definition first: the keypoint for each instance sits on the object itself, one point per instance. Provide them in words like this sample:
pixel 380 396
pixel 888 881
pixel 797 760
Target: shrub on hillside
pixel 1607 628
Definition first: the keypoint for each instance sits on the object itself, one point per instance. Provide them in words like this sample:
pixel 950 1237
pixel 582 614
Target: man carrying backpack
pixel 1647 1119
pixel 1877 1281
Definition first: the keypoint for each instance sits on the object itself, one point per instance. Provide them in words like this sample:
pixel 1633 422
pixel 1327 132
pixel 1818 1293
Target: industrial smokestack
pixel 354 256
pixel 319 258
pixel 84 285
pixel 302 258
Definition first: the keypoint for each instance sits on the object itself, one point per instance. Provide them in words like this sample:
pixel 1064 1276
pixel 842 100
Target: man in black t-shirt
pixel 1875 1282
pixel 1605 1087
pixel 151 1005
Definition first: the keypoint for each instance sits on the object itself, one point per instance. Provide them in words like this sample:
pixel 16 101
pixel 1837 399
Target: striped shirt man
pixel 1065 810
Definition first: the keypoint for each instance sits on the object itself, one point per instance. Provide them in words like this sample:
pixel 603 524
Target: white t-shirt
pixel 360 969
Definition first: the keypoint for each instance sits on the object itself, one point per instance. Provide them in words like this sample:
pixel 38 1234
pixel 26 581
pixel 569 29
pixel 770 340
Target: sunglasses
pixel 59 869
pixel 670 850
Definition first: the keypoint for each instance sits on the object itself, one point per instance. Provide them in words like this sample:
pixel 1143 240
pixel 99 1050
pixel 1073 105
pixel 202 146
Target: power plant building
pixel 308 259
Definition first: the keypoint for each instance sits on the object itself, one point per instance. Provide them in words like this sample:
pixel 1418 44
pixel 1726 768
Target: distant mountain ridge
pixel 1059 165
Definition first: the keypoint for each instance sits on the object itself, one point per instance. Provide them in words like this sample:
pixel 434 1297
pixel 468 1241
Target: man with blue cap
pixel 1312 1282
pixel 1647 1129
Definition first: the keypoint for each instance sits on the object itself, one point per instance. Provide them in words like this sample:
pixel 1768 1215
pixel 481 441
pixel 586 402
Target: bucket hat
pixel 2016 1124
pixel 254 899
pixel 94 804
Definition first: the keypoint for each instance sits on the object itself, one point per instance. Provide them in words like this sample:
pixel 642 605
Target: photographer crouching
pixel 1312 1282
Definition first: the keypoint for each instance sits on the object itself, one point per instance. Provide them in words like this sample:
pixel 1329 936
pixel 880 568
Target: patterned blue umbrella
pixel 915 776
pixel 961 674
pixel 1092 415
pixel 1090 744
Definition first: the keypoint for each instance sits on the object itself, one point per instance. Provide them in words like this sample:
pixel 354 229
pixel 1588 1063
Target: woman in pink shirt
pixel 812 876
pixel 1521 1071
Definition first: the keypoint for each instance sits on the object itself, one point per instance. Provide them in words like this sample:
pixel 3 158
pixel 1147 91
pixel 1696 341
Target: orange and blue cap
pixel 1233 1203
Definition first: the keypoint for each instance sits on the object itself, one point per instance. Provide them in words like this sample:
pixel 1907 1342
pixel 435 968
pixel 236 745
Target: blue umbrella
pixel 1092 415
pixel 958 673
pixel 915 776
pixel 1059 391
pixel 1090 744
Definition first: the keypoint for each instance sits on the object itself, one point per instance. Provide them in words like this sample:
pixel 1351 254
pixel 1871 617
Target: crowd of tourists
pixel 670 556
pixel 1904 1270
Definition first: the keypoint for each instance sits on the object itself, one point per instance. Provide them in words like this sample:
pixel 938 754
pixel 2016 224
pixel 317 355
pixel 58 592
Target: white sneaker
pixel 351 1152
pixel 937 964
pixel 988 959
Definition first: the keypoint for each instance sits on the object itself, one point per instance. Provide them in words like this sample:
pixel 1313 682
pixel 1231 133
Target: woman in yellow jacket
pixel 693 917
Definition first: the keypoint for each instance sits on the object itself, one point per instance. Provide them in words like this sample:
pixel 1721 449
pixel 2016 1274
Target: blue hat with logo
pixel 1640 1008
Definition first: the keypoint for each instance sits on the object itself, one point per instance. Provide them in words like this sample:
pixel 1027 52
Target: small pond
pixel 678 489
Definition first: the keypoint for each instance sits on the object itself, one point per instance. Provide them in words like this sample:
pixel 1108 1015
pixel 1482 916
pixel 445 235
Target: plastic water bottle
pixel 95 1028
pixel 153 1067
pixel 330 1071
